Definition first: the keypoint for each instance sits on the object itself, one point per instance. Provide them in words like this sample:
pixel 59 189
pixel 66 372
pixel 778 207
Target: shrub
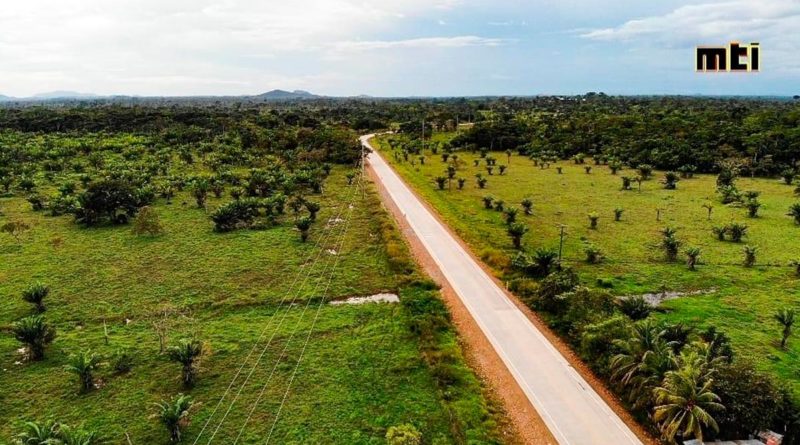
pixel 527 206
pixel 147 222
pixel 235 215
pixel 737 231
pixel 405 434
pixel 174 415
pixel 35 333
pixel 794 212
pixel 200 188
pixel 15 229
pixel 488 202
pixel 551 288
pixel 461 182
pixel 303 225
pixel 587 169
pixel 35 295
pixel 671 180
pixel 752 207
pixel 692 256
pixel 749 398
pixel 510 214
pixel 729 194
pixel 502 169
pixel 626 183
pixel 37 202
pixel 107 201
pixel 719 232
pixel 482 182
pixel 516 231
pixel 788 175
pixel 441 181
pixel 636 307
pixel 593 218
pixel 645 170
pixel 83 366
pixel 499 205
pixel 615 166
pixel 670 244
pixel 618 214
pixel 750 255
pixel 122 361
pixel 36 433
pixel 312 208
pixel 187 353
pixel 544 261
pixel 593 254
pixel 559 170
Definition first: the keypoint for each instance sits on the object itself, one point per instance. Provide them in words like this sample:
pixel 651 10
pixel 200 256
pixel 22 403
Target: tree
pixel 593 253
pixel 461 182
pixel 670 243
pixel 441 181
pixel 750 255
pixel 516 231
pixel 737 231
pixel 83 366
pixel 488 202
pixel 788 175
pixel 692 254
pixel 303 225
pixel 15 229
pixel 527 206
pixel 752 207
pixel 618 213
pixel 35 333
pixel 671 180
pixel 499 205
pixel 313 208
pixel 750 399
pixel 35 295
pixel 785 317
pixel 405 434
pixel 107 200
pixel 200 188
pixel 147 222
pixel 641 362
pixel 709 208
pixel 593 218
pixel 510 215
pixel 645 170
pixel 174 415
pixel 685 402
pixel 187 352
pixel 36 433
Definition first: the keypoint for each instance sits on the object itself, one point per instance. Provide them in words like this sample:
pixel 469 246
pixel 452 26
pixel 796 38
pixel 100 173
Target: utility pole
pixel 560 244
pixel 423 134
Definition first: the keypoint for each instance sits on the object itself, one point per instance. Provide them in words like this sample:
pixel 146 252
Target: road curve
pixel 571 409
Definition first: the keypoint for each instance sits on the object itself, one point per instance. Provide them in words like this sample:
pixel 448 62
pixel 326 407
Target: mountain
pixel 5 98
pixel 287 95
pixel 64 95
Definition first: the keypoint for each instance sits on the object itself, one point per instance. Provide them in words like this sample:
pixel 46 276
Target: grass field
pixel 362 371
pixel 743 300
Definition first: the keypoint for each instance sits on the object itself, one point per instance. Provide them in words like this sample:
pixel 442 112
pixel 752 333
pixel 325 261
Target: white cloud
pixel 421 43
pixel 182 46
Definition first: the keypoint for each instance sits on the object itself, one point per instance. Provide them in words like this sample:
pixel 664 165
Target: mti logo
pixel 731 58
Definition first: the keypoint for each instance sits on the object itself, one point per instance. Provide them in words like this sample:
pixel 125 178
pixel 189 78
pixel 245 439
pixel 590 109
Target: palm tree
pixel 752 207
pixel 200 189
pixel 312 208
pixel 794 212
pixel 737 231
pixel 544 261
pixel 692 254
pixel 34 332
pixel 441 181
pixel 35 294
pixel 527 206
pixel 34 433
pixel 488 202
pixel 642 362
pixel 516 231
pixel 670 243
pixel 303 225
pixel 671 180
pixel 685 401
pixel 187 353
pixel 510 214
pixel 786 318
pixel 618 213
pixel 750 255
pixel 83 365
pixel 593 218
pixel 174 415
pixel 710 208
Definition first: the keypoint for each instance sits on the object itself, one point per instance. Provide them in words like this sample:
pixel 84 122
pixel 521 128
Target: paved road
pixel 572 410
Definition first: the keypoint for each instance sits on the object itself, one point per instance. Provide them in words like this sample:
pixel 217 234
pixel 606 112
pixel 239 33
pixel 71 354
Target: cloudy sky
pixel 390 47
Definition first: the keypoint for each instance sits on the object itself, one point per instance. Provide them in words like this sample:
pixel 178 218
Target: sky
pixel 391 47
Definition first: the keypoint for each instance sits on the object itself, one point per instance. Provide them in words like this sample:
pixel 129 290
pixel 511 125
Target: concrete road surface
pixel 570 407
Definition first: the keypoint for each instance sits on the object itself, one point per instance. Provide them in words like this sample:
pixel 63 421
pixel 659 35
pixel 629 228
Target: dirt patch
pixel 656 298
pixel 377 298
pixel 525 425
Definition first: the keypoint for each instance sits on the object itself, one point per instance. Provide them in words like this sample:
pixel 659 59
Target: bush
pixel 147 222
pixel 303 225
pixel 552 287
pixel 488 202
pixel 35 333
pixel 692 256
pixel 593 254
pixel 618 214
pixel 749 398
pixel 750 255
pixel 636 307
pixel 794 212
pixel 235 215
pixel 404 434
pixel 593 218
pixel 107 201
pixel 737 231
pixel 35 295
pixel 83 366
pixel 122 361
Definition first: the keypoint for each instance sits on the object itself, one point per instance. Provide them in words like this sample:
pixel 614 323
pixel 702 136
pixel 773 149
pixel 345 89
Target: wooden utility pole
pixel 560 244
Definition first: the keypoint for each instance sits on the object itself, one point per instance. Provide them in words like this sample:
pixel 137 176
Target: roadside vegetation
pixel 676 278
pixel 147 252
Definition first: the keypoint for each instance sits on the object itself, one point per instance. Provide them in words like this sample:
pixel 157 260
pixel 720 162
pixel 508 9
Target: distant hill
pixel 5 98
pixel 64 95
pixel 287 95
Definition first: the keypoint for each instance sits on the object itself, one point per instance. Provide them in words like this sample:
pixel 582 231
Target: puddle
pixel 377 298
pixel 656 298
